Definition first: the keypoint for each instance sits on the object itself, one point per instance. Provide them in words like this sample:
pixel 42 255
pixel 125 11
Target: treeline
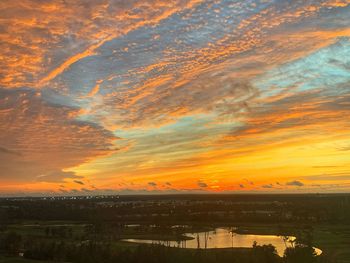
pixel 271 209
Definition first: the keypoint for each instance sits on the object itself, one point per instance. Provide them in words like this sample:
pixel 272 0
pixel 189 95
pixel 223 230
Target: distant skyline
pixel 183 96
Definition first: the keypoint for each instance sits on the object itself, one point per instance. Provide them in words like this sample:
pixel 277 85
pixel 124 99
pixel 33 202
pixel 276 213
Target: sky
pixel 182 96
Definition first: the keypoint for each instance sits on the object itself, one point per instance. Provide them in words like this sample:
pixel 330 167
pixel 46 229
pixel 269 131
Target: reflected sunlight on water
pixel 225 238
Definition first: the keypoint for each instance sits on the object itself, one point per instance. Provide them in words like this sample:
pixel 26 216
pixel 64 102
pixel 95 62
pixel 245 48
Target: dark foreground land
pixel 91 229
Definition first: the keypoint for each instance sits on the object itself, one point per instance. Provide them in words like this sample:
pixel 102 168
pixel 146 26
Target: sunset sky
pixel 180 96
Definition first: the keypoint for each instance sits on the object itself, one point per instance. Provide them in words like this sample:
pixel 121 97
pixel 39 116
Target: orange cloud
pixel 203 73
pixel 46 138
pixel 28 54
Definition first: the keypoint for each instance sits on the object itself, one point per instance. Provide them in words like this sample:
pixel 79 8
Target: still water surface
pixel 225 238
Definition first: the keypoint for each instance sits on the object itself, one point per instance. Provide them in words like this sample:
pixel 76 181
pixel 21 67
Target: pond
pixel 225 238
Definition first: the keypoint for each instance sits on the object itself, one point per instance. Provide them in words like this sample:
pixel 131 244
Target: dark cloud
pixel 152 184
pixel 248 181
pixel 79 182
pixel 295 183
pixel 267 186
pixel 241 186
pixel 202 184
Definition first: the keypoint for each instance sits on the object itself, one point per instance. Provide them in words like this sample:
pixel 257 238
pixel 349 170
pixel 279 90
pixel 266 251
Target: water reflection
pixel 225 238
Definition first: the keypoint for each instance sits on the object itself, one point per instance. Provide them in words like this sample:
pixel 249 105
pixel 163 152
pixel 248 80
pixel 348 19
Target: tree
pixel 300 254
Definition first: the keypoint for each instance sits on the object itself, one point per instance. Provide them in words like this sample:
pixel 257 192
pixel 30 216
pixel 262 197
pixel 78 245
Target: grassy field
pixel 334 241
pixel 38 228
